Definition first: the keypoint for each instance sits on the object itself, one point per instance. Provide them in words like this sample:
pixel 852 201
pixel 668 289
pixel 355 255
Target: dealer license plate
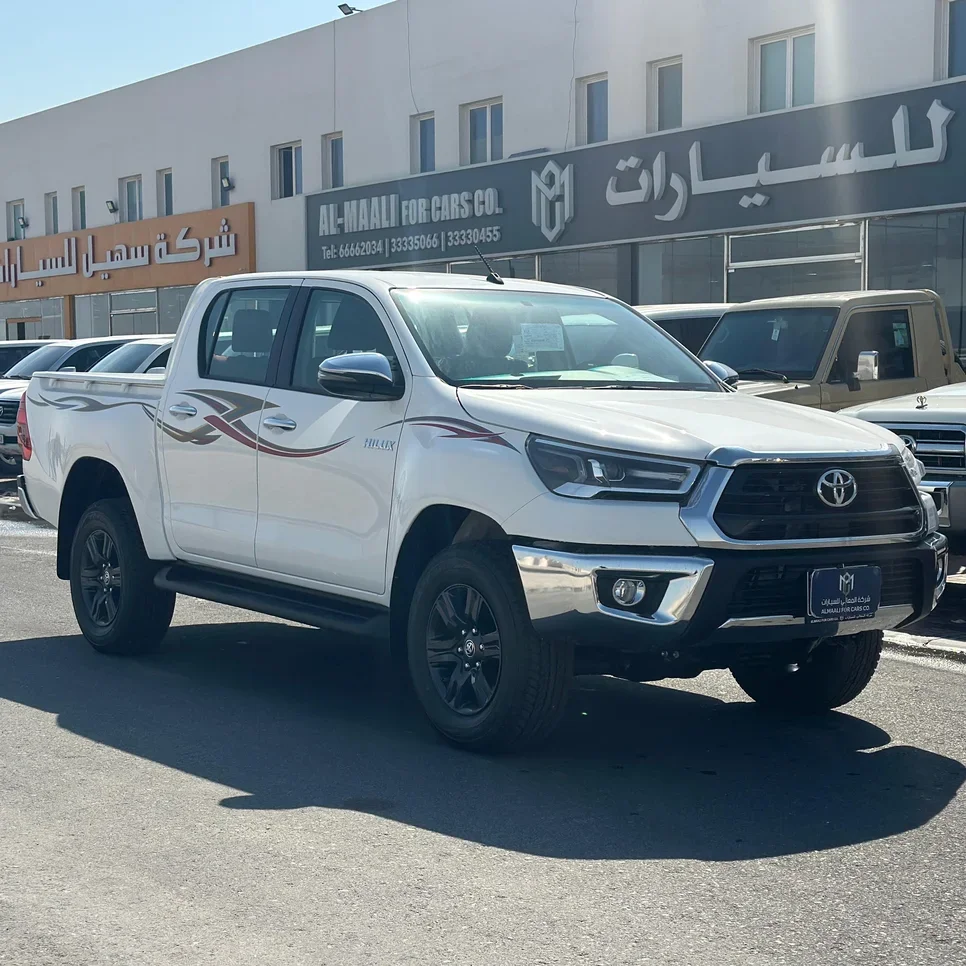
pixel 844 594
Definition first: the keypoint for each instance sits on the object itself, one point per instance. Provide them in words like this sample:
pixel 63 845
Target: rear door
pixel 326 464
pixel 887 330
pixel 210 422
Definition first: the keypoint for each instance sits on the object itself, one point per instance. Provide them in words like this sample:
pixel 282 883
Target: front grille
pixel 8 411
pixel 771 591
pixel 764 502
pixel 938 447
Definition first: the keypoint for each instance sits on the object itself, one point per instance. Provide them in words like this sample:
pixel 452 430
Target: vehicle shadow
pixel 292 719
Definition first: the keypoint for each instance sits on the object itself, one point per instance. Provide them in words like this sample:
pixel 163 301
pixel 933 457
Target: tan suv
pixel 838 350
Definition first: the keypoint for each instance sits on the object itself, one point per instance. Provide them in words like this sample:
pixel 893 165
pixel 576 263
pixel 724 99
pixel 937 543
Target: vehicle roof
pixel 387 280
pixel 684 310
pixel 158 340
pixel 36 343
pixel 840 299
pixel 98 339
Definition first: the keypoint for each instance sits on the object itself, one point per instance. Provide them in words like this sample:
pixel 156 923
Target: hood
pixel 944 402
pixel 690 425
pixel 770 388
pixel 11 386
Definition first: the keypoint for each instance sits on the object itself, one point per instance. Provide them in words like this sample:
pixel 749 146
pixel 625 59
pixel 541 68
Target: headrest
pixel 251 331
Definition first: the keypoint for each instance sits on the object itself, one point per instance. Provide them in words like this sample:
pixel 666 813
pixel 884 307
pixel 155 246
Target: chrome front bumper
pixel 562 589
pixel 567 598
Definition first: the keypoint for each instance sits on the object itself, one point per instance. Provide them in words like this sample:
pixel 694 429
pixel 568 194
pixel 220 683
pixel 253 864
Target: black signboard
pixel 893 152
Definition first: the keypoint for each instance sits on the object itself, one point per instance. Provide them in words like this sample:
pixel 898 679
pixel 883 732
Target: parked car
pixel 838 350
pixel 690 324
pixel 501 510
pixel 13 351
pixel 76 355
pixel 933 426
pixel 142 355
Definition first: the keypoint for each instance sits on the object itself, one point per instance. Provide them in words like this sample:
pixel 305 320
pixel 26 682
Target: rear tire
pixel 836 672
pixel 116 604
pixel 486 681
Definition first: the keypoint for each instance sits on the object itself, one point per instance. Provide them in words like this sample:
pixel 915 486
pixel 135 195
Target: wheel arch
pixel 434 529
pixel 89 480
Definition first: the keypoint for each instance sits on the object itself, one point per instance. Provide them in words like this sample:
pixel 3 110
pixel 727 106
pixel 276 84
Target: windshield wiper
pixel 493 385
pixel 769 373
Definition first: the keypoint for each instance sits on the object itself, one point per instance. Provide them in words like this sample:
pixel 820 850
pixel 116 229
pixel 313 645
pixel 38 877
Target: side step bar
pixel 310 607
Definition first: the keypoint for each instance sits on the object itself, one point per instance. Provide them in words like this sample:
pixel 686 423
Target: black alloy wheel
pixel 100 578
pixel 463 649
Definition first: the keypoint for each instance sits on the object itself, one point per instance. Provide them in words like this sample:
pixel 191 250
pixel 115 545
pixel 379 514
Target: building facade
pixel 703 150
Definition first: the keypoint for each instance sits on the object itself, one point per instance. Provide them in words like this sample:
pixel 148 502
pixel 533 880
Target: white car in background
pixel 144 355
pixel 64 355
pixel 12 351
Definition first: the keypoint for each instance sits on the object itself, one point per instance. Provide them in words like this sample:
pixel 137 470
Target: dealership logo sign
pixel 552 199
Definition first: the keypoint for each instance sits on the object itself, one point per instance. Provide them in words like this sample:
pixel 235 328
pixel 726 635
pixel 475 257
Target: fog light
pixel 627 592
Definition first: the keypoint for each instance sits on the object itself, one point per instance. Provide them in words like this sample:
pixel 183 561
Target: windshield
pixel 127 358
pixel 786 342
pixel 39 361
pixel 534 339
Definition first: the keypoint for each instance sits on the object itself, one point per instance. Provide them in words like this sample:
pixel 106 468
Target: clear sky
pixel 60 50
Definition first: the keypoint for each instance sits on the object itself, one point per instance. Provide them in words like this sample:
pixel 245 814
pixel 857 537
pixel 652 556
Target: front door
pixel 326 465
pixel 210 423
pixel 889 332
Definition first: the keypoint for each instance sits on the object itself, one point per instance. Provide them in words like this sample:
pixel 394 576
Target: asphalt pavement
pixel 260 793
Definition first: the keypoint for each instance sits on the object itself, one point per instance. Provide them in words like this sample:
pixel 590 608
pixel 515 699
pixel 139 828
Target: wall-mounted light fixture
pixel 112 207
pixel 347 9
pixel 227 183
pixel 23 222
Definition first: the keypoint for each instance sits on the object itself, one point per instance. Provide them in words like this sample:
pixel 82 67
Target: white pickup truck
pixel 512 481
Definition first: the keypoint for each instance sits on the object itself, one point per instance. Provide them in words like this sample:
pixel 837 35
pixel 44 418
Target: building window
pixel 423 142
pixel 665 94
pixel 287 170
pixel 333 170
pixel 681 270
pixel 784 71
pixel 165 193
pixel 592 109
pixel 15 221
pixel 51 214
pixel 78 208
pixel 132 198
pixel 953 40
pixel 220 183
pixel 481 132
pixel 595 268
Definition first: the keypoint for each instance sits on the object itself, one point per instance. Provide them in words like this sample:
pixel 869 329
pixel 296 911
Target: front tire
pixel 116 604
pixel 482 675
pixel 835 673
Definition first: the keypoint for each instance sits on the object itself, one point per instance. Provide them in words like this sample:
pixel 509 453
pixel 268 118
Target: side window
pixel 239 333
pixel 161 361
pixel 336 323
pixel 886 331
pixel 83 359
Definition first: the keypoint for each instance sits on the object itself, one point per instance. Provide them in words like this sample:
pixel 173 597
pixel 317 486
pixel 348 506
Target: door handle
pixel 280 422
pixel 184 410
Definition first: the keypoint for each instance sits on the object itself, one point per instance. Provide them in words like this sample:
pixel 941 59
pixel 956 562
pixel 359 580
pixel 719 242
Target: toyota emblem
pixel 837 488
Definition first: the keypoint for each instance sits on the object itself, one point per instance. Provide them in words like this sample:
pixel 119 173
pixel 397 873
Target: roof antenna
pixel 492 277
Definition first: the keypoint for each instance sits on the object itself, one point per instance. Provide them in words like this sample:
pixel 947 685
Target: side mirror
pixel 867 369
pixel 725 373
pixel 359 375
pixel 155 371
pixel 67 369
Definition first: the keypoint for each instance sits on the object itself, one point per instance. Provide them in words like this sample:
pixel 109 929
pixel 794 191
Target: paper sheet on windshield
pixel 542 337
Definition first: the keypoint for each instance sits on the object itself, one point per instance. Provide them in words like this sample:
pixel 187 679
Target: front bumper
pixel 950 499
pixel 9 446
pixel 691 598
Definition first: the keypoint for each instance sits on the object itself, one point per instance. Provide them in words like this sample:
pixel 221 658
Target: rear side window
pixel 239 334
pixel 82 359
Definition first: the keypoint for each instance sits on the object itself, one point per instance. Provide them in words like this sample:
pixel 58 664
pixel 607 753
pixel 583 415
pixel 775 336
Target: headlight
pixel 916 470
pixel 583 472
